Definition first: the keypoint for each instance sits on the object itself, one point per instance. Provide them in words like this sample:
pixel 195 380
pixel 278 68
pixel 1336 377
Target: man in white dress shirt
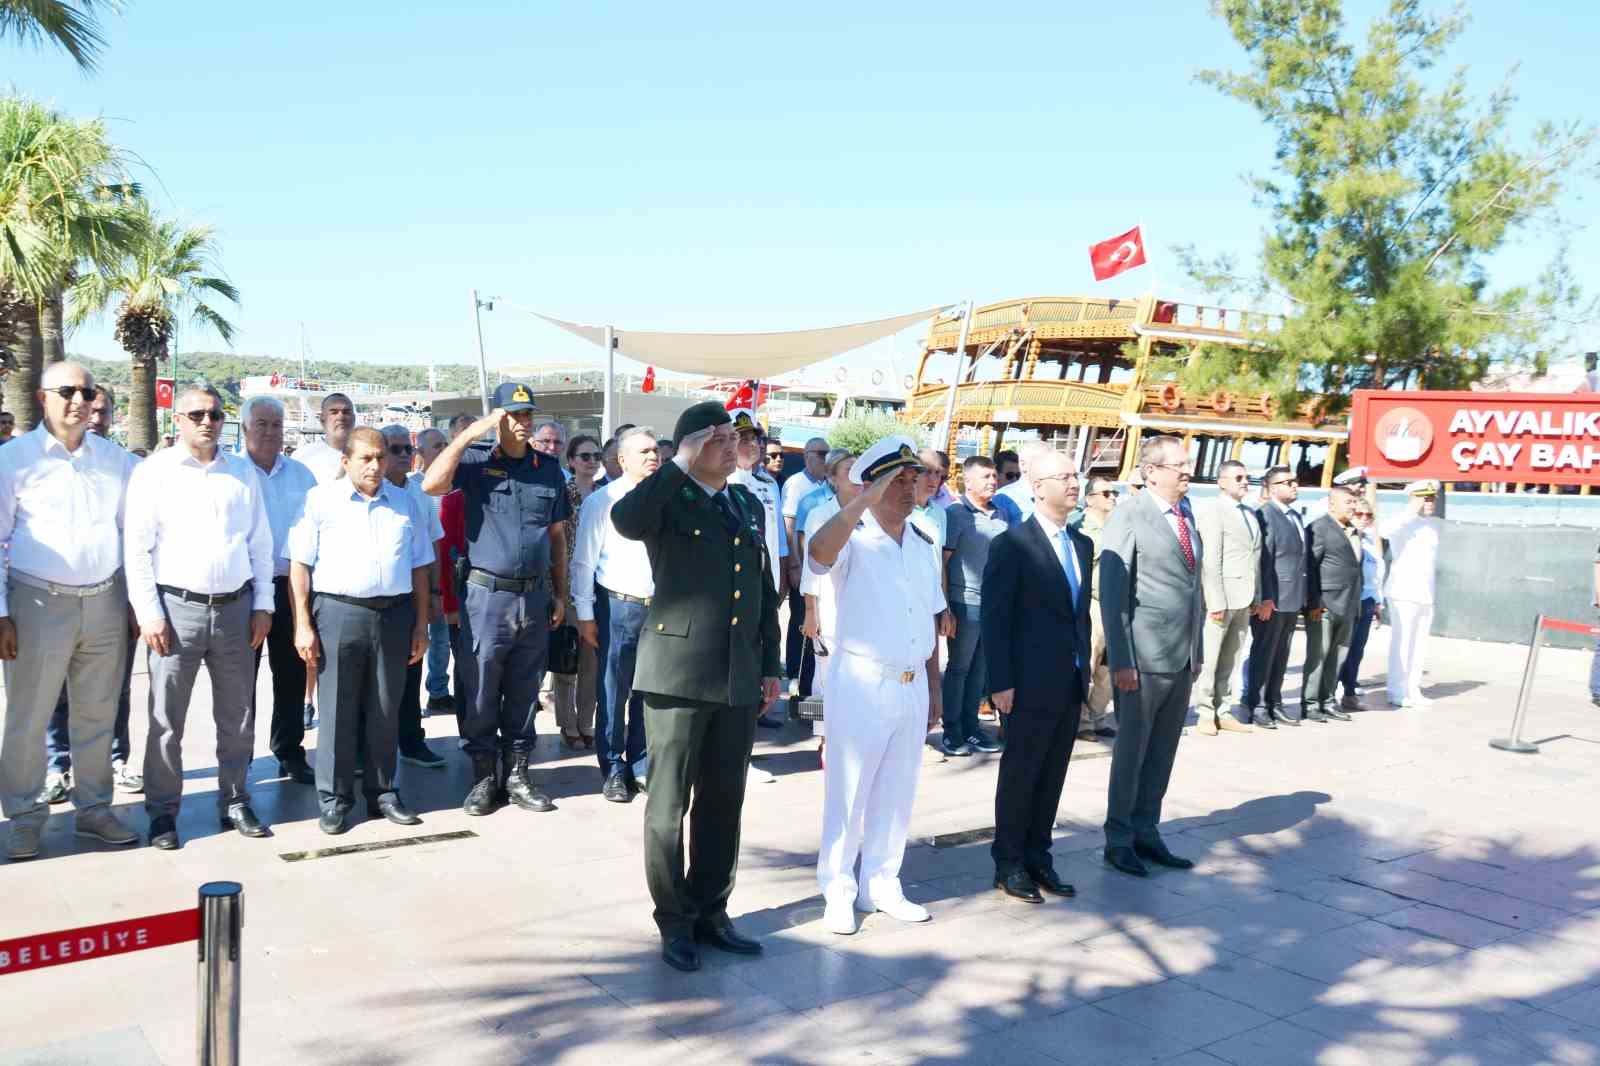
pixel 284 484
pixel 611 587
pixel 1413 541
pixel 360 578
pixel 1020 491
pixel 198 544
pixel 325 457
pixel 885 576
pixel 63 613
pixel 399 452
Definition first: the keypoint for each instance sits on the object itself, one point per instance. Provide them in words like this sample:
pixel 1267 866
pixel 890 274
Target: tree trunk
pixel 52 331
pixel 142 406
pixel 22 384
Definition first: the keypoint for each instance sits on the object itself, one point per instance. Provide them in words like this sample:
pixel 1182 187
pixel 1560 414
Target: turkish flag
pixel 1122 252
pixel 649 384
pixel 163 392
pixel 744 397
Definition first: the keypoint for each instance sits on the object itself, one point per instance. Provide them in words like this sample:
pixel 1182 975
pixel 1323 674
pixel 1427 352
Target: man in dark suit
pixel 1036 633
pixel 1153 607
pixel 1333 600
pixel 1283 596
pixel 707 666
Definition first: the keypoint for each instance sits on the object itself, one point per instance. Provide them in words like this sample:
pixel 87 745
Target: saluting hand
pixel 486 423
pixel 690 447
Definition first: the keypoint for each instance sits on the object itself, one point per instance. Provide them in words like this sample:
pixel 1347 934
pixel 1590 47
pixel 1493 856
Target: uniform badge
pixel 493 472
pixel 520 395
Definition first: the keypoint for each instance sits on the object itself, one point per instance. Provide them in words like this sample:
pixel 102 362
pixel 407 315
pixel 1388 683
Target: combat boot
pixel 485 774
pixel 519 785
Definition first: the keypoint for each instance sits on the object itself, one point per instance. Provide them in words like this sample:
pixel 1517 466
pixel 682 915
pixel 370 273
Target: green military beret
pixel 700 416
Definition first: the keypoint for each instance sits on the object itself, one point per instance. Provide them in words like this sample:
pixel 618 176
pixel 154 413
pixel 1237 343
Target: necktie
pixel 1249 522
pixel 1067 564
pixel 1184 540
pixel 729 519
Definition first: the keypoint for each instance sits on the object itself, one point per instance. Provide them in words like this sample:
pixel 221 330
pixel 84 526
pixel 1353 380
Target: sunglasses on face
pixel 1285 481
pixel 198 417
pixel 400 449
pixel 588 457
pixel 88 392
pixel 1110 493
pixel 774 455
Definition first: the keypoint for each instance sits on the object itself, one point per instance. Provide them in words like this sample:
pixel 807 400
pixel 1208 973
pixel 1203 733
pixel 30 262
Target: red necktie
pixel 1183 539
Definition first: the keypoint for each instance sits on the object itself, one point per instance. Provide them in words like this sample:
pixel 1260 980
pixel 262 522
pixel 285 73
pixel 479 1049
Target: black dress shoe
pixel 1263 720
pixel 298 772
pixel 441 703
pixel 723 936
pixel 1312 714
pixel 164 833
pixel 1337 715
pixel 1158 854
pixel 954 751
pixel 1282 718
pixel 1125 860
pixel 681 954
pixel 390 807
pixel 1052 883
pixel 1018 885
pixel 335 820
pixel 979 742
pixel 242 818
pixel 1106 732
pixel 766 721
pixel 616 788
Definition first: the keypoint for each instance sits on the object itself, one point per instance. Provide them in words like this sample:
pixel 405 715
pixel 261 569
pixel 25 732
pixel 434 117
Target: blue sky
pixel 701 167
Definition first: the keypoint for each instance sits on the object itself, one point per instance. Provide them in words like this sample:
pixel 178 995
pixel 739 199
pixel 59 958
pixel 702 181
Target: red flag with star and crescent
pixel 649 384
pixel 750 395
pixel 1122 252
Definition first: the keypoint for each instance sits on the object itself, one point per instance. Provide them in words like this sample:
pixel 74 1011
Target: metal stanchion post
pixel 1515 742
pixel 221 923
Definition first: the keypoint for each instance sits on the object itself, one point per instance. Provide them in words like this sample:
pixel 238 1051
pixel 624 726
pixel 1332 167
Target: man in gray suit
pixel 1333 599
pixel 1152 606
pixel 1283 596
pixel 1230 573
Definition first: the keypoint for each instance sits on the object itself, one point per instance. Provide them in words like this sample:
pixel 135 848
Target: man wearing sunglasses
pixel 63 608
pixel 401 453
pixel 749 451
pixel 1098 503
pixel 1232 580
pixel 1282 598
pixel 199 560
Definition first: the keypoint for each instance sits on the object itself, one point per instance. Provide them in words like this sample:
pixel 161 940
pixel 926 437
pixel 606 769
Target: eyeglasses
pixel 774 455
pixel 88 392
pixel 588 457
pixel 1284 481
pixel 198 417
pixel 1112 493
pixel 1064 478
pixel 400 449
pixel 1179 468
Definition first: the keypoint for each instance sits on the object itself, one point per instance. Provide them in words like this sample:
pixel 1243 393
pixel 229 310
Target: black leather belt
pixel 625 598
pixel 207 599
pixel 495 583
pixel 372 603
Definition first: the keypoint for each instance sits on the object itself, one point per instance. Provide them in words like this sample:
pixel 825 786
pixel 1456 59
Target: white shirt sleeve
pixel 592 518
pixel 260 543
pixel 425 532
pixel 8 521
pixel 139 544
pixel 301 544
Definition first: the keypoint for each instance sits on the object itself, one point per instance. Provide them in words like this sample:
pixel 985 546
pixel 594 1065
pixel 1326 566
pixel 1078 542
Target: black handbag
pixel 563 658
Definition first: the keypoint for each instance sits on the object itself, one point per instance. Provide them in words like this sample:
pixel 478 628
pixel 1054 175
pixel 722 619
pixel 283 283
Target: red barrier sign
pixel 1535 438
pixel 1571 627
pixel 97 941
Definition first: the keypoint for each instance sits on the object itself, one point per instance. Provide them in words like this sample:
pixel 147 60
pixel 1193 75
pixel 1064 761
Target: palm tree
pixel 71 26
pixel 56 212
pixel 166 271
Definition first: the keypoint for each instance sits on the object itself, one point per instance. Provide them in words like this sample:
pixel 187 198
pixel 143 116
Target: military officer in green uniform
pixel 707 666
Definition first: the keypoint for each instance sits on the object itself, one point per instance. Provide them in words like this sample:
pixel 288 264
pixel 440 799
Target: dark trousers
pixel 288 735
pixel 409 732
pixel 699 754
pixel 619 732
pixel 1269 658
pixel 1033 770
pixel 364 653
pixel 458 655
pixel 1350 673
pixel 506 640
pixel 1326 641
pixel 799 661
pixel 57 739
pixel 965 675
pixel 1149 722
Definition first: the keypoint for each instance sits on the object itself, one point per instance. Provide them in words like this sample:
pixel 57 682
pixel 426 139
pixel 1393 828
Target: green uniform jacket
pixel 712 631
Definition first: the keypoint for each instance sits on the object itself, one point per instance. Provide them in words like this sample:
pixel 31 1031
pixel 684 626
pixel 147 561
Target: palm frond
pixel 70 25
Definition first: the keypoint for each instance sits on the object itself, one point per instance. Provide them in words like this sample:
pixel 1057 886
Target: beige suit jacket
pixel 1230 571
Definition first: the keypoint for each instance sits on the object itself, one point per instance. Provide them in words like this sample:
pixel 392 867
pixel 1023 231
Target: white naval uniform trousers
pixel 1414 553
pixel 886 595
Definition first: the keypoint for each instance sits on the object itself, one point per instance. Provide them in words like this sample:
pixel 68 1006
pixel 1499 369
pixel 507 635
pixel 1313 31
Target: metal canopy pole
pixel 217 1019
pixel 483 365
pixel 607 415
pixel 943 440
pixel 1514 742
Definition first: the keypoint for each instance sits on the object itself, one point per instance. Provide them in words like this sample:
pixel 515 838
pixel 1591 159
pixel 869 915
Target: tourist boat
pixel 1081 373
pixel 302 401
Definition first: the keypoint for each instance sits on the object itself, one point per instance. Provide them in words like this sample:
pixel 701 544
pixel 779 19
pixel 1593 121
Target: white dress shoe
pixel 900 909
pixel 757 776
pixel 839 917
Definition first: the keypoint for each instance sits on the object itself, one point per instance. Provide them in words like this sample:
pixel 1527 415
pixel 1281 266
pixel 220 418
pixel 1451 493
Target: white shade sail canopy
pixel 742 355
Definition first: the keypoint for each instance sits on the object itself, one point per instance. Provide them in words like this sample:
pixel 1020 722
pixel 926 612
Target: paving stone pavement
pixel 1389 890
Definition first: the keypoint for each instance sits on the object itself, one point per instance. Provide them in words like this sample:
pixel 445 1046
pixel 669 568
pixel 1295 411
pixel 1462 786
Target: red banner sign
pixel 98 941
pixel 163 393
pixel 1531 437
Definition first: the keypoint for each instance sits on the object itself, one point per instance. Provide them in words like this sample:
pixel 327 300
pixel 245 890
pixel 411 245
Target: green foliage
pixel 68 24
pixel 1389 193
pixel 857 432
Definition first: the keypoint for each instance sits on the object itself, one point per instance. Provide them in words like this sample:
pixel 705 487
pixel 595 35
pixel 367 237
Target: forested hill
pixel 224 370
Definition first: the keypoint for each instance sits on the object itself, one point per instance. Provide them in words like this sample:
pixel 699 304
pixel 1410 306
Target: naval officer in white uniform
pixel 887 601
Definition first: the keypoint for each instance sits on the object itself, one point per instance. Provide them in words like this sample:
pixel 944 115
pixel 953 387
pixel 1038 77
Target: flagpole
pixel 1144 242
pixel 950 401
pixel 606 414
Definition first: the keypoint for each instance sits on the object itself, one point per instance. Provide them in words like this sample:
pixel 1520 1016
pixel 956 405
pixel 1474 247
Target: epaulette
pixel 918 531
